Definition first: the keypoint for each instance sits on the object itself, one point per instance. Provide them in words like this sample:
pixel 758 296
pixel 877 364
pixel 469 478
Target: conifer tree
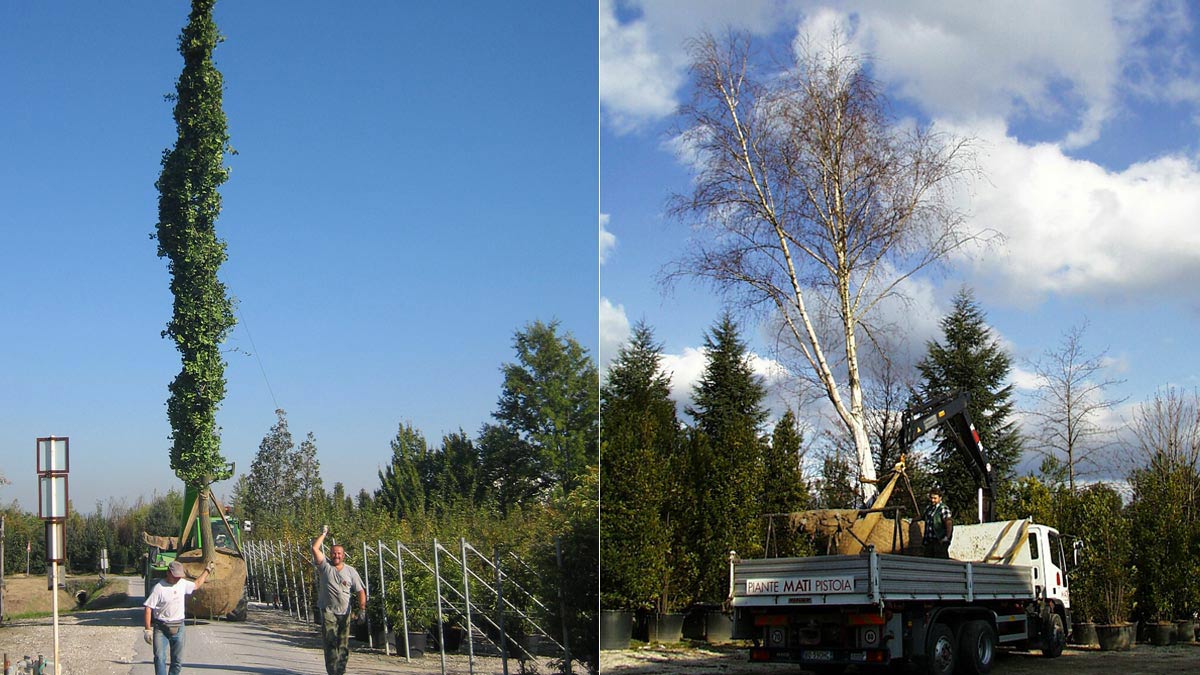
pixel 639 436
pixel 784 487
pixel 401 489
pixel 970 358
pixel 726 470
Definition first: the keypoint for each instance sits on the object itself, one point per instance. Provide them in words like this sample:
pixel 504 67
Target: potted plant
pixel 420 610
pixel 1105 561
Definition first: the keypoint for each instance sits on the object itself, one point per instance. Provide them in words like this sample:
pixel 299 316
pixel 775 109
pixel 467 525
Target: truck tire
pixel 1055 636
pixel 941 651
pixel 976 648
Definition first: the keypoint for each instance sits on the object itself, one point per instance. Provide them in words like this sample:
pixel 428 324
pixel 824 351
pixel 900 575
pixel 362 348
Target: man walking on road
pixel 164 616
pixel 336 582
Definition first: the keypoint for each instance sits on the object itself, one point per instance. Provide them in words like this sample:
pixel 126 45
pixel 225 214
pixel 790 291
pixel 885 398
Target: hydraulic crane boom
pixel 951 415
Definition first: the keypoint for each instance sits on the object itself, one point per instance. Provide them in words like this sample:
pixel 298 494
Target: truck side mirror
pixel 1076 547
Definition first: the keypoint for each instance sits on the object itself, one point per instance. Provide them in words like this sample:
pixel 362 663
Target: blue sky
pixel 414 183
pixel 1085 117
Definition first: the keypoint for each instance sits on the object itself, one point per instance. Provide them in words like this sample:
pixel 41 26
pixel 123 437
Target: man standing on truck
pixel 939 527
pixel 336 582
pixel 165 614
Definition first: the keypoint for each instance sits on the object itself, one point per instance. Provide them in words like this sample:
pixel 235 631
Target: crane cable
pixel 263 370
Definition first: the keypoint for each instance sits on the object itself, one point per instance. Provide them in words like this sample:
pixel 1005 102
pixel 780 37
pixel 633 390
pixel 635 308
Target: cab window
pixel 1055 551
pixel 1033 546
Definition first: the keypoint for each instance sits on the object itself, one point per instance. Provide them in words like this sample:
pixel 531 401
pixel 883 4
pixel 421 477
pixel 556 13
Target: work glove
pixel 360 616
pixel 209 567
pixel 945 540
pixel 324 529
pixel 148 636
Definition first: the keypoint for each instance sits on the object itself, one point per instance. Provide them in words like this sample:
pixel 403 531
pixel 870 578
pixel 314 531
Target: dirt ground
pixel 104 635
pixel 1141 660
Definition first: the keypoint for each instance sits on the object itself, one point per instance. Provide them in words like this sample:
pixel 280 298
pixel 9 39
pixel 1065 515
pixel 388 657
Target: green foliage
pixel 1102 587
pixel 401 489
pixel 835 490
pixel 548 409
pixel 640 435
pixel 971 359
pixel 725 466
pixel 784 488
pixel 1164 538
pixel 284 483
pixel 188 206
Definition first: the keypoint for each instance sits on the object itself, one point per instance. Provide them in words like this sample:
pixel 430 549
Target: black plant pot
pixel 1084 633
pixel 664 628
pixel 616 627
pixel 1116 638
pixel 718 627
pixel 1162 633
pixel 417 644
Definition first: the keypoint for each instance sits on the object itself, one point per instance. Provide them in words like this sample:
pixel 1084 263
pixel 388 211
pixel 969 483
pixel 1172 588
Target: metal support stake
pixel 387 646
pixel 562 605
pixel 437 585
pixel 500 610
pixel 367 583
pixel 403 602
pixel 467 601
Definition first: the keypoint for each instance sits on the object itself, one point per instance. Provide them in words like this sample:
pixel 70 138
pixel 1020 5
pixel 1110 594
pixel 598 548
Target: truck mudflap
pixel 821 655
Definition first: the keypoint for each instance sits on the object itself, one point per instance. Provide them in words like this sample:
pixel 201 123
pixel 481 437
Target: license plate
pixel 818 655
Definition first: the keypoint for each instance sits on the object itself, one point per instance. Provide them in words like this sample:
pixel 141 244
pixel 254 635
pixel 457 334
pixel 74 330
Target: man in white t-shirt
pixel 164 616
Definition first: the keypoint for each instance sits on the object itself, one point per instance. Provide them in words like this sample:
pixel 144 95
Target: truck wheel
pixel 940 652
pixel 1055 636
pixel 976 648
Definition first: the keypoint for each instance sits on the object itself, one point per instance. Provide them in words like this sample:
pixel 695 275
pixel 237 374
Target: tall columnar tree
pixel 188 206
pixel 970 358
pixel 817 201
pixel 272 484
pixel 726 471
pixel 639 436
pixel 784 488
pixel 549 402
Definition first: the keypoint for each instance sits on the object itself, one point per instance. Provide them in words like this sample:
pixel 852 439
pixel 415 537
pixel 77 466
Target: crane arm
pixel 950 414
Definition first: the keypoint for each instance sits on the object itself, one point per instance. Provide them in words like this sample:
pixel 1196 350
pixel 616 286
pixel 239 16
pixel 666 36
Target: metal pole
pixel 291 561
pixel 288 584
pixel 562 605
pixel 2 518
pixel 304 585
pixel 500 609
pixel 275 573
pixel 467 601
pixel 437 585
pixel 54 602
pixel 387 647
pixel 403 602
pixel 367 583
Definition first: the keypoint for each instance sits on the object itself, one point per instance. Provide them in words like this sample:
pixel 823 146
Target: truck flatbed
pixel 874 579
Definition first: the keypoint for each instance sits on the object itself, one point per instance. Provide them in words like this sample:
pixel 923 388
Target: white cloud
pixel 1059 61
pixel 614 331
pixel 1064 62
pixel 637 83
pixel 1073 227
pixel 1025 380
pixel 608 240
pixel 643 60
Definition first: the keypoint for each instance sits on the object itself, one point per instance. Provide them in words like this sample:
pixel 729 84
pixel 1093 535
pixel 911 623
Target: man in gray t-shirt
pixel 336 582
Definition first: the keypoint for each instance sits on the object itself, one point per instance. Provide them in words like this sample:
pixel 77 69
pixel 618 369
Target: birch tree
pixel 815 203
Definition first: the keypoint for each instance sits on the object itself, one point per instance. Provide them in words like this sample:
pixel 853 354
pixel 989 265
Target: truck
pixel 223 595
pixel 1004 584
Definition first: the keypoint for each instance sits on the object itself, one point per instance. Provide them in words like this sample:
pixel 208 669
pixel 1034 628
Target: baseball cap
pixel 176 569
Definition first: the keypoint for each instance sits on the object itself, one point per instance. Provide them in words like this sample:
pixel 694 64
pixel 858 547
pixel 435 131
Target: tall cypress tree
pixel 401 487
pixel 969 358
pixel 784 487
pixel 188 206
pixel 639 437
pixel 726 471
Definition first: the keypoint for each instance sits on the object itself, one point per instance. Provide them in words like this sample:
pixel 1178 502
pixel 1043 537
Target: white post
pixel 54 604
